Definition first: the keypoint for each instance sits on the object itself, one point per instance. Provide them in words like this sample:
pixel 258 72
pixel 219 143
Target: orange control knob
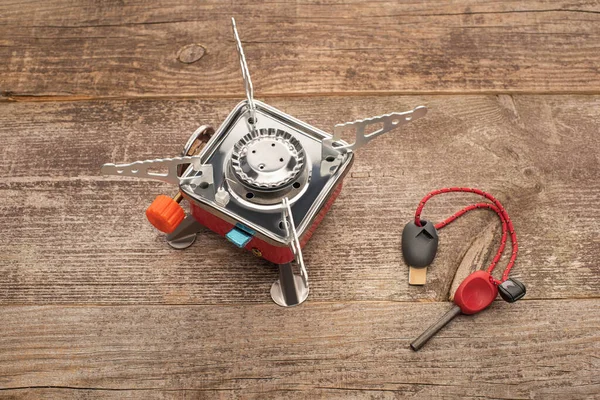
pixel 165 213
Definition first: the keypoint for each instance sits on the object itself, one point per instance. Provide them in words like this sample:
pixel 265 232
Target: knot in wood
pixel 190 53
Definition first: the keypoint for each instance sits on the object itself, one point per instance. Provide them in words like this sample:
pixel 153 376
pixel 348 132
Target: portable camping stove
pixel 264 180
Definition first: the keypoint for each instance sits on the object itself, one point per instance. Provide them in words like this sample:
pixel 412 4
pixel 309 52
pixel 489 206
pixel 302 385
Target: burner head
pixel 245 195
pixel 267 159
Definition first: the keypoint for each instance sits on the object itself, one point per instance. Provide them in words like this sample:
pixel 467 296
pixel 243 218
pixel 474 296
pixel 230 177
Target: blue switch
pixel 238 237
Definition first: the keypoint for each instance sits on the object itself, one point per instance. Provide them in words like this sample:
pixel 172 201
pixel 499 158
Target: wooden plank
pixel 72 236
pixel 85 49
pixel 530 349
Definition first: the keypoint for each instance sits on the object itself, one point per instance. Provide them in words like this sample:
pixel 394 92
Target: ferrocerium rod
pixel 435 328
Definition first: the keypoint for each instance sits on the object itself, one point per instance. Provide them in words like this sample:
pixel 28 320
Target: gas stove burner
pixel 268 159
pixel 265 166
pixel 264 180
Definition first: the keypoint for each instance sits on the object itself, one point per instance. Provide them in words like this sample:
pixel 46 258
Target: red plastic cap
pixel 165 214
pixel 475 293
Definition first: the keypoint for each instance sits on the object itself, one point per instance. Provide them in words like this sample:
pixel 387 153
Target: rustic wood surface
pixel 76 237
pixel 94 304
pixel 539 349
pixel 83 49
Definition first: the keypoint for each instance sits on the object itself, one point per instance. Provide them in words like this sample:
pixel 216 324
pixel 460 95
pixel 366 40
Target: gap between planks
pixel 270 303
pixel 32 98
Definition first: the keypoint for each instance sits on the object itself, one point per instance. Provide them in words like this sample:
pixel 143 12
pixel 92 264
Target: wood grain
pixel 84 49
pixel 95 305
pixel 527 350
pixel 73 237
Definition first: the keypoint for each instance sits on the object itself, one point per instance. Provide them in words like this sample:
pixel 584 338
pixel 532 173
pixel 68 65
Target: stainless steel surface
pixel 143 169
pixel 195 143
pixel 289 290
pixel 260 200
pixel 185 234
pixel 388 122
pixel 202 183
pixel 305 200
pixel 251 120
pixel 198 135
pixel 292 236
pixel 435 328
pixel 267 159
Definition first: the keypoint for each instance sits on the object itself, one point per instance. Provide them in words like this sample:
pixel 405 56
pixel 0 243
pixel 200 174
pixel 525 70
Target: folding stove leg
pixel 185 234
pixel 291 289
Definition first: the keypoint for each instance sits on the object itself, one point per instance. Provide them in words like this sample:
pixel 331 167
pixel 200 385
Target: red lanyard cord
pixel 497 207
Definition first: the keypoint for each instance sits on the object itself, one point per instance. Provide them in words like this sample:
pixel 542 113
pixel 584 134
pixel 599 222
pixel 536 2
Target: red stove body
pixel 264 180
pixel 261 248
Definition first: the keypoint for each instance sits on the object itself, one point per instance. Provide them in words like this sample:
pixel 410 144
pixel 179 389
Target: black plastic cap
pixel 419 244
pixel 511 290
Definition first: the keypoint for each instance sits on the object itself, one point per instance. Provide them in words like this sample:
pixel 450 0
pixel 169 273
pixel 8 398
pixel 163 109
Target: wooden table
pixel 94 304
